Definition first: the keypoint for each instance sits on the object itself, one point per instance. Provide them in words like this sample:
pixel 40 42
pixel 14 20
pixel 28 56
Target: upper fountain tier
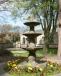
pixel 31 32
pixel 31 35
pixel 31 25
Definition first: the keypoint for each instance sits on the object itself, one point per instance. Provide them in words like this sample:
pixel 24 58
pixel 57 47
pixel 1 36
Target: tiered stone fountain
pixel 31 35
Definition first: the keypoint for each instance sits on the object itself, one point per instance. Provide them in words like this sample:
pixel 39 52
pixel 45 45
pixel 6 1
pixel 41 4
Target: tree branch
pixel 3 1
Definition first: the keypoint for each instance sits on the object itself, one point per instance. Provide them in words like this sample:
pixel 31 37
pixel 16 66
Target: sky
pixel 7 18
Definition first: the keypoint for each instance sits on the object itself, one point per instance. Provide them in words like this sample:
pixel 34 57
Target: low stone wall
pixel 6 45
pixel 53 46
pixel 41 45
pixel 10 45
pixel 22 45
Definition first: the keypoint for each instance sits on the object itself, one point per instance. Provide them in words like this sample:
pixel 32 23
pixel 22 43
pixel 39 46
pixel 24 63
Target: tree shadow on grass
pixel 5 56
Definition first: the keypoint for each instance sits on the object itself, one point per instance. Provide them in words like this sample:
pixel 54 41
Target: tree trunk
pixel 46 43
pixel 59 30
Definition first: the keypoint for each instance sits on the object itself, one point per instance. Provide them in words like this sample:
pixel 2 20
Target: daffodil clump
pixel 31 69
pixel 11 65
pixel 50 68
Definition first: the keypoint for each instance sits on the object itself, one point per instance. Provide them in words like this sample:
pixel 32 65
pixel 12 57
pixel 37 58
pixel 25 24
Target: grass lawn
pixel 39 53
pixel 9 55
pixel 20 53
pixel 25 53
pixel 30 74
pixel 25 74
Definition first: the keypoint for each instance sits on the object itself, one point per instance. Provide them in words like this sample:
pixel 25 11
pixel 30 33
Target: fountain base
pixel 31 63
pixel 31 59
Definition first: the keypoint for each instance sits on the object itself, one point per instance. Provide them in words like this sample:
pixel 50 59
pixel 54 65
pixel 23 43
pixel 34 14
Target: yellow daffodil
pixel 14 65
pixel 8 64
pixel 40 69
pixel 29 68
pixel 29 64
pixel 51 65
pixel 48 64
pixel 9 61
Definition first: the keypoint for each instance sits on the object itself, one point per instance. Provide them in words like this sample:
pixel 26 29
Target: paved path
pixel 53 59
pixel 2 72
pixel 58 74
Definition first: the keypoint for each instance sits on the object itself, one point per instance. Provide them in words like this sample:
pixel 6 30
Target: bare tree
pixel 3 1
pixel 5 28
pixel 16 29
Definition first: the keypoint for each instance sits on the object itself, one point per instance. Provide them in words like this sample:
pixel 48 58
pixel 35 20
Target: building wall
pixel 40 40
pixel 23 39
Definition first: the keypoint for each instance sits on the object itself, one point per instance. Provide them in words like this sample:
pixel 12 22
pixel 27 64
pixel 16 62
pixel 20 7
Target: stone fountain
pixel 31 35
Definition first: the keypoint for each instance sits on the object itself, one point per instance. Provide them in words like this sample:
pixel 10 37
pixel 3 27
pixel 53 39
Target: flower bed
pixel 29 70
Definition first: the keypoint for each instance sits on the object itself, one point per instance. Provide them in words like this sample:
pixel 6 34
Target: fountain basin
pixel 31 23
pixel 31 49
pixel 32 34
